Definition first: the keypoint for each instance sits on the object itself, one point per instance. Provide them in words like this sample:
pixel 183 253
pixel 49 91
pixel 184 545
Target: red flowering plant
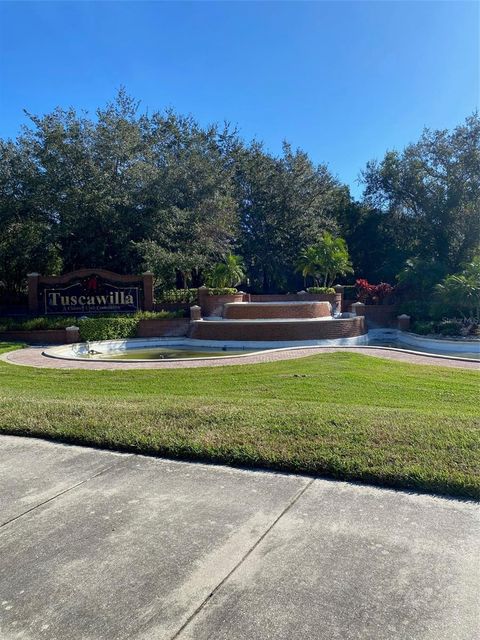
pixel 374 293
pixel 382 291
pixel 364 290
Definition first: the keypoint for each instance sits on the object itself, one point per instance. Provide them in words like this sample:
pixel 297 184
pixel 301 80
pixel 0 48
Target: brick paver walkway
pixel 33 357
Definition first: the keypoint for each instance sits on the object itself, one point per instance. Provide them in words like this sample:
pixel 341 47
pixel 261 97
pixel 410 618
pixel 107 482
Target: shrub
pixel 367 292
pixel 222 291
pixel 416 309
pixel 462 289
pixel 159 315
pixel 449 328
pixel 93 329
pixel 106 327
pixel 423 328
pixel 40 323
pixel 444 327
pixel 179 296
pixel 324 290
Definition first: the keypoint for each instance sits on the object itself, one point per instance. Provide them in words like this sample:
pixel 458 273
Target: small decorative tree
pixel 228 273
pixel 325 261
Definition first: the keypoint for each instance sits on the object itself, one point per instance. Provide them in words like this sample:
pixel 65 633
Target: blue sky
pixel 343 80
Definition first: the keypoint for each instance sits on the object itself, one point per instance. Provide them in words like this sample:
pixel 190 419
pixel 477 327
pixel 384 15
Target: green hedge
pixel 31 324
pixel 119 327
pixel 106 327
pixel 323 290
pixel 159 315
pixel 179 296
pixel 93 329
pixel 455 327
pixel 222 291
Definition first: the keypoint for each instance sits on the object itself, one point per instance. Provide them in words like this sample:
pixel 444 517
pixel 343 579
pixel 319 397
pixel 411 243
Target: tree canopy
pixel 131 191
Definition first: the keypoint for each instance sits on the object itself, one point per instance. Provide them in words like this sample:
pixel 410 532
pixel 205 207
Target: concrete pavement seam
pixel 290 504
pixel 61 493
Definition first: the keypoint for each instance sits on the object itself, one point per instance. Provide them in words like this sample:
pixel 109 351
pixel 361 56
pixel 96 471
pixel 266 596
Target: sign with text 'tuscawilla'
pixel 91 294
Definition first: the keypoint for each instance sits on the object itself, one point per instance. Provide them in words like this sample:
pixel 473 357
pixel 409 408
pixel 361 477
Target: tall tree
pixel 430 194
pixel 285 205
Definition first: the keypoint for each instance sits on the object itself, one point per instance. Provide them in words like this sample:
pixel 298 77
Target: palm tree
pixel 326 260
pixel 308 264
pixel 334 259
pixel 463 289
pixel 228 273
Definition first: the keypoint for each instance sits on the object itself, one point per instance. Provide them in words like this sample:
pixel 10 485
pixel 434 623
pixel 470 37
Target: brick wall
pixel 290 330
pixel 38 336
pixel 254 310
pixel 381 315
pixel 146 329
pixel 157 328
pixel 295 297
pixel 213 305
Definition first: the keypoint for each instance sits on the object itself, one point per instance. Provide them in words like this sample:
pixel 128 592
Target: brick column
pixel 33 279
pixel 339 296
pixel 358 308
pixel 148 300
pixel 195 312
pixel 202 299
pixel 72 334
pixel 403 322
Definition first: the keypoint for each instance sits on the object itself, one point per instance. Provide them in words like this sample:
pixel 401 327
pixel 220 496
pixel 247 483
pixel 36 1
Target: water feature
pixel 166 353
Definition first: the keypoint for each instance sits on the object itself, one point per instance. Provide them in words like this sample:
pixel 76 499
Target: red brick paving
pixel 32 356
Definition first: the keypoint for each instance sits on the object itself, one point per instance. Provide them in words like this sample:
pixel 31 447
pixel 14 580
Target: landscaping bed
pixel 341 415
pixel 53 330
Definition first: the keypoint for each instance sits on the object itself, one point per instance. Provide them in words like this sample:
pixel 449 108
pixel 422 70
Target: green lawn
pixel 342 415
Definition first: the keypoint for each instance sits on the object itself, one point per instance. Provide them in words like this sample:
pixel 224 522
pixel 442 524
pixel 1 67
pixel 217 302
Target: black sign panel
pixel 91 295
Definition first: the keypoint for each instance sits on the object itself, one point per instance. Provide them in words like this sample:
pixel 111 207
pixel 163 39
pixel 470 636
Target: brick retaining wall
pixel 157 328
pixel 290 330
pixel 146 329
pixel 254 310
pixel 37 336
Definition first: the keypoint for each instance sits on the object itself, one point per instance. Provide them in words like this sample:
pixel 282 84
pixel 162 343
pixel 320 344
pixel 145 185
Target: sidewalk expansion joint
pixel 287 508
pixel 61 493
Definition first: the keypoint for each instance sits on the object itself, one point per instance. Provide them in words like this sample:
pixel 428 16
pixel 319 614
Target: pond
pixel 166 353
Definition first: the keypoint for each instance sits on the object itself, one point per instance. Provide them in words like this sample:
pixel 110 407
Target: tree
pixel 326 260
pixel 462 289
pixel 27 236
pixel 124 190
pixel 308 264
pixel 228 273
pixel 35 252
pixel 285 204
pixel 430 194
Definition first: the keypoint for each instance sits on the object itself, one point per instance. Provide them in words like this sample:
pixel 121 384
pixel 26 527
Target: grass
pixel 342 415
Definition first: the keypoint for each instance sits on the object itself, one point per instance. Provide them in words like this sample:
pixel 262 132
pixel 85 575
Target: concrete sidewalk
pixel 100 546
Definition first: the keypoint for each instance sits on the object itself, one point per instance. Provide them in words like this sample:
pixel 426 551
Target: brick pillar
pixel 339 290
pixel 403 322
pixel 202 299
pixel 358 308
pixel 195 312
pixel 72 334
pixel 148 300
pixel 33 279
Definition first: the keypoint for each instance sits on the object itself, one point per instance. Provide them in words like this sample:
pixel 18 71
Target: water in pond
pixel 169 353
pixel 178 351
